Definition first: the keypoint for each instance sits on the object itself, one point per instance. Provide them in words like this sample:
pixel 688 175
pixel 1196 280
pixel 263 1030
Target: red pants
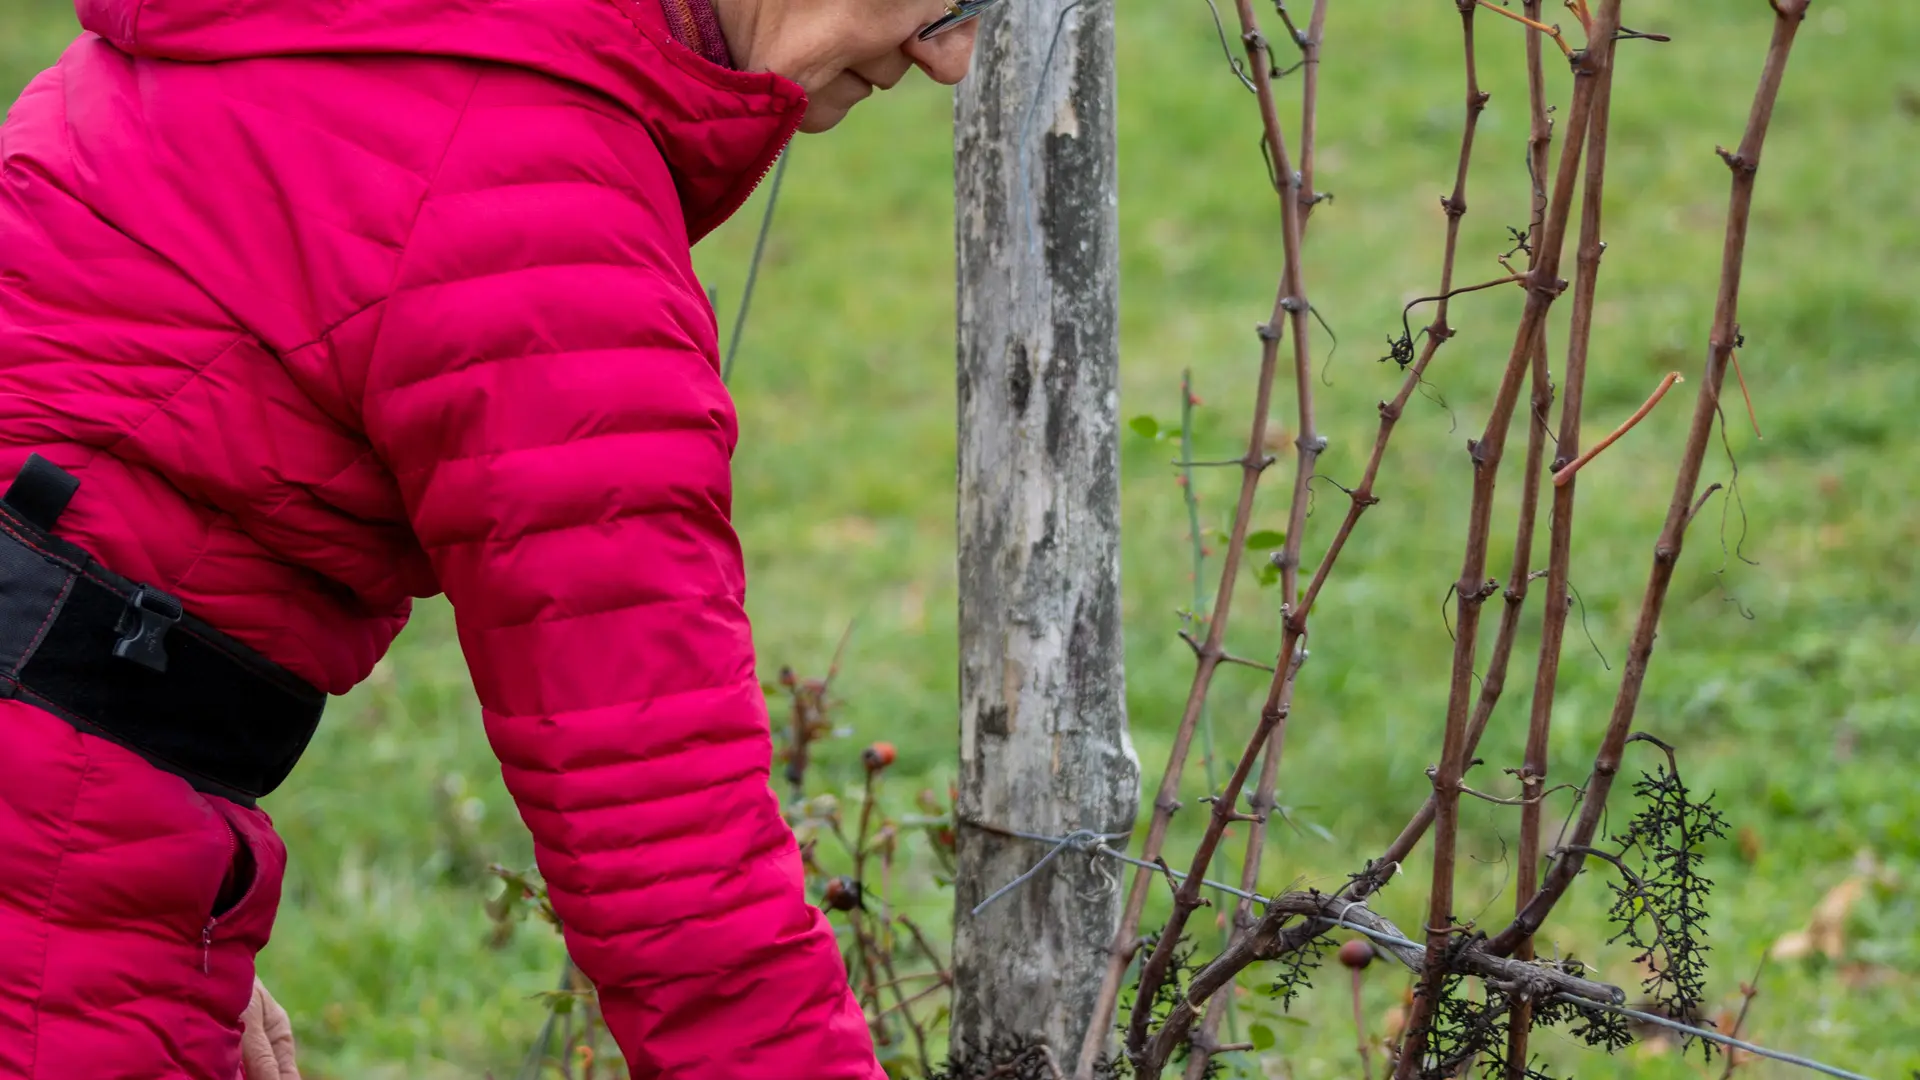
pixel 131 908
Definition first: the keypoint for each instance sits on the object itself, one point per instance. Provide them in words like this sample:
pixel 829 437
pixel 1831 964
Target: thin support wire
pixel 1096 844
pixel 1079 840
pixel 1645 1017
pixel 1180 875
pixel 1027 222
pixel 753 268
pixel 1724 1040
pixel 536 1058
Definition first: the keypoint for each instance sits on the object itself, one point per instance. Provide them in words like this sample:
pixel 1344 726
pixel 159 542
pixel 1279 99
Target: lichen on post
pixel 1043 731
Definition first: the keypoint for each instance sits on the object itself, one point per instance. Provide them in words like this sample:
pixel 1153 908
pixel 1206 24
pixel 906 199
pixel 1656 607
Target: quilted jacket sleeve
pixel 543 387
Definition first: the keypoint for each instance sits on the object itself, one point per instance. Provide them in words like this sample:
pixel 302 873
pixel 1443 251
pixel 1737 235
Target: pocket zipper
pixel 206 932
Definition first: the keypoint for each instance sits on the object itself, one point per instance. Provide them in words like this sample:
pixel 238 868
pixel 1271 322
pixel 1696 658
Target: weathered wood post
pixel 1043 728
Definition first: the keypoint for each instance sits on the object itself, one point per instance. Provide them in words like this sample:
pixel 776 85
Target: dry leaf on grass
pixel 1826 932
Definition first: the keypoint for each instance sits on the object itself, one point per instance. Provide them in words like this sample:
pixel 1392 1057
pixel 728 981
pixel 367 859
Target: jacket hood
pixel 719 130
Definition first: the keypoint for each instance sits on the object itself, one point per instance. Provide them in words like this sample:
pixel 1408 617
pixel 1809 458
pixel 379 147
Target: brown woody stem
pixel 1743 163
pixel 1589 67
pixel 1363 1043
pixel 1269 734
pixel 1291 301
pixel 1294 918
pixel 1533 773
pixel 904 1004
pixel 1262 801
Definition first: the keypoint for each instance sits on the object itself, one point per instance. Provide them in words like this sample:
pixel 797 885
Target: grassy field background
pixel 1801 716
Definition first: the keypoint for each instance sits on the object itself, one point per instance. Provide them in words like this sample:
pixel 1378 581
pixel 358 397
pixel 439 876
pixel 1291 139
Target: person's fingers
pixel 279 1030
pixel 257 1060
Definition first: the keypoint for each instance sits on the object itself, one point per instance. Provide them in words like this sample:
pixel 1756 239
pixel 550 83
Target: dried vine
pixel 1290 305
pixel 1270 734
pixel 1591 65
pixel 1743 162
pixel 1656 906
pixel 1262 803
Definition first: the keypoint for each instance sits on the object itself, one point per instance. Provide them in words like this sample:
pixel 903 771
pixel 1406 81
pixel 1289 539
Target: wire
pixel 1095 844
pixel 1025 193
pixel 753 268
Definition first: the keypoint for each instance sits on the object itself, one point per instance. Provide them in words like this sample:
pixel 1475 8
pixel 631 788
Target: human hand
pixel 266 1043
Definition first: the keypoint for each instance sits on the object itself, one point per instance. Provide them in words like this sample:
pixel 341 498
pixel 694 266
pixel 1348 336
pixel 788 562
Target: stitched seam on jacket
pixel 206 545
pixel 336 324
pixel 700 599
pixel 296 488
pixel 495 455
pixel 646 269
pixel 420 209
pixel 667 348
pixel 651 700
pixel 53 889
pixel 626 802
pixel 53 182
pixel 406 244
pixel 625 514
pixel 194 375
pixel 206 538
pixel 654 753
pixel 245 333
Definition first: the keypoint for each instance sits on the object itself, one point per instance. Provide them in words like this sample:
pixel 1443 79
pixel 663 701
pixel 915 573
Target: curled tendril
pixel 1233 62
pixel 1399 350
pixel 1522 242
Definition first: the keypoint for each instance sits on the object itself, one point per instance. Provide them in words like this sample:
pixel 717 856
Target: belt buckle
pixel 143 628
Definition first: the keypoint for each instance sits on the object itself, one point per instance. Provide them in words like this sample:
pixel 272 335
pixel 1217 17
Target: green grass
pixel 1800 717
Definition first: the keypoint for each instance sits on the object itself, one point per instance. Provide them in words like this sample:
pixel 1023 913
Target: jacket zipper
pixel 790 127
pixel 213 921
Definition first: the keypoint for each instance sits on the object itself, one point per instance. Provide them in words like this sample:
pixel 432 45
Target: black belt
pixel 123 661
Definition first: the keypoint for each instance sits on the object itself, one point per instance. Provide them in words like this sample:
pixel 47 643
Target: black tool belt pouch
pixel 123 661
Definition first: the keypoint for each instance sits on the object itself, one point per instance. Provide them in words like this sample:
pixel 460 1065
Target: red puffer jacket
pixel 334 304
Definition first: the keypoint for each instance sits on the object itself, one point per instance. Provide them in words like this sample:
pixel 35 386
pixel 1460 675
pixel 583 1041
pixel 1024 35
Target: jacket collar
pixel 696 25
pixel 719 130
